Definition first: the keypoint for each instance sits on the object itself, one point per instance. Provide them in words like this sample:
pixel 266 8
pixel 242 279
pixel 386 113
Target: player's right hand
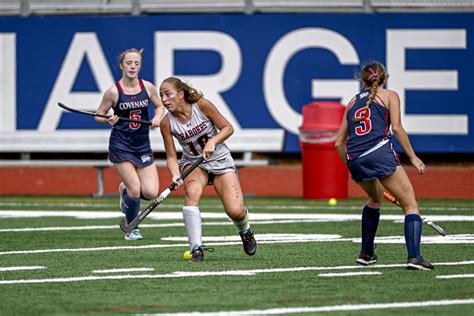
pixel 177 181
pixel 112 120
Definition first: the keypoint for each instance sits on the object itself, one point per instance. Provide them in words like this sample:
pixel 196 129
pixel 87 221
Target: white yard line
pixel 160 215
pixel 262 239
pixel 112 206
pixel 330 308
pixel 2 269
pixel 181 274
pixel 180 224
pixel 124 270
pixel 343 274
pixel 455 276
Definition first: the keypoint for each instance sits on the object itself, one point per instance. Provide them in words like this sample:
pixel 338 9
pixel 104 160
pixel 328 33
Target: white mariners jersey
pixel 194 134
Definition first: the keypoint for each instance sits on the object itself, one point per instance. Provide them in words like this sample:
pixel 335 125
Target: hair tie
pixel 372 74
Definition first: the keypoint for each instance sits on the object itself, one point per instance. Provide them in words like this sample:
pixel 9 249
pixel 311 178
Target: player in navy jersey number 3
pixel 364 143
pixel 201 131
pixel 129 143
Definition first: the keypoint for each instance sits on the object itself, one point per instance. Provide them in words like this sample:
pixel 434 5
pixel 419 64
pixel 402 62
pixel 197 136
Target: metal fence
pixel 141 7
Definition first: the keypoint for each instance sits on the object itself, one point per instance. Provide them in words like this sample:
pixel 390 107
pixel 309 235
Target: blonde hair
pixel 191 95
pixel 130 50
pixel 372 75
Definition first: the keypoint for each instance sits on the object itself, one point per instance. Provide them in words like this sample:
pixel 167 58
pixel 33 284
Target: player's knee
pixel 149 194
pixel 133 190
pixel 237 212
pixel 409 206
pixel 193 192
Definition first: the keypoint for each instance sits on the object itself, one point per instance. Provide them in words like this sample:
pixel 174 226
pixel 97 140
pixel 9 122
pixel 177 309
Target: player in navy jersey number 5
pixel 364 143
pixel 129 143
pixel 201 131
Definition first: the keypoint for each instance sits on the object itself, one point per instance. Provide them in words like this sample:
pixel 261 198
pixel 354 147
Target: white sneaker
pixel 134 235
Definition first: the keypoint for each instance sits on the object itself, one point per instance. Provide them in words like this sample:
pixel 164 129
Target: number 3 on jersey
pixel 365 125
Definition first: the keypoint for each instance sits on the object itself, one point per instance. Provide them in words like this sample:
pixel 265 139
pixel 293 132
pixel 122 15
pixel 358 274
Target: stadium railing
pixel 137 7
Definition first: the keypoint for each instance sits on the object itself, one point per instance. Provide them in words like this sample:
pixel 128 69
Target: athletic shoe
pixel 121 191
pixel 198 253
pixel 249 242
pixel 134 235
pixel 366 260
pixel 419 264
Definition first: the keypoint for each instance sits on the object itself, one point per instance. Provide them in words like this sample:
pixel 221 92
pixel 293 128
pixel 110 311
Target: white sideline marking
pixel 455 276
pixel 234 240
pixel 264 237
pixel 333 308
pixel 180 274
pixel 124 270
pixel 112 206
pixel 180 224
pixel 342 274
pixel 21 268
pixel 272 240
pixel 159 215
pixel 430 239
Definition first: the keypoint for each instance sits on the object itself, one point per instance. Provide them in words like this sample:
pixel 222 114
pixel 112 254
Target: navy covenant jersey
pixel 372 131
pixel 128 136
pixel 193 134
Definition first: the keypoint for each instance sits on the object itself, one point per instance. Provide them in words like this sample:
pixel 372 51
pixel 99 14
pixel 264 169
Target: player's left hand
pixel 155 122
pixel 209 149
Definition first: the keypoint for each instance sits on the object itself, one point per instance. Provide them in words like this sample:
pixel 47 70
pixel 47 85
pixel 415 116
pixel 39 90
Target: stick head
pixel 124 227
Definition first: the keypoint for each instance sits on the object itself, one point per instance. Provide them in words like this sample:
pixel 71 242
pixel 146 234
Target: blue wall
pixel 42 44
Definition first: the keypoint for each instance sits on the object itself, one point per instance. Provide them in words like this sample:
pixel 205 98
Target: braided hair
pixel 191 95
pixel 373 75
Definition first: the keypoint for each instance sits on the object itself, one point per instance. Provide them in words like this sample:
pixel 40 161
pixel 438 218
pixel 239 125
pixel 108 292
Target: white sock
pixel 243 224
pixel 192 223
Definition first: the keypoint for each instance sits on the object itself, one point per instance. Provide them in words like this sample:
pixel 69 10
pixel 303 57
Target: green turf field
pixel 66 255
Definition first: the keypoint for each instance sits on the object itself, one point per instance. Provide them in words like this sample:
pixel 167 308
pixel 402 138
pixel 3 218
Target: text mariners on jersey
pixel 133 104
pixel 193 131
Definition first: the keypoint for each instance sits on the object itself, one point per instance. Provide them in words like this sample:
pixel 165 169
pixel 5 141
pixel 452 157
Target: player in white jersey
pixel 201 131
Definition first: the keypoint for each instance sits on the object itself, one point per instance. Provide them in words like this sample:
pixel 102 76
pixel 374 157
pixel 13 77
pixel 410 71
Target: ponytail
pixel 373 75
pixel 191 95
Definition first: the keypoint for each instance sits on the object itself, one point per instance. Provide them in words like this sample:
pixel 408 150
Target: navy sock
pixel 132 207
pixel 413 230
pixel 370 222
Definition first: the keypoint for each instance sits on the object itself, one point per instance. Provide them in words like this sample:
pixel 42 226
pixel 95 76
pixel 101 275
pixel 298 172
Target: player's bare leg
pixel 228 188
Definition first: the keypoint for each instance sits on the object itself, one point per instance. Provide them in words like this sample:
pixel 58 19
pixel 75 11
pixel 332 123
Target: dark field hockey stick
pixel 137 220
pixel 389 197
pixel 101 115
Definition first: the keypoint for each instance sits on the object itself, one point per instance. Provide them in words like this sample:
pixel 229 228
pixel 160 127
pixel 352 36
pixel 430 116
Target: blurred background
pixel 260 61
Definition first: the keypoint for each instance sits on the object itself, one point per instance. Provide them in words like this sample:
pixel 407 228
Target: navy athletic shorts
pixel 380 163
pixel 140 160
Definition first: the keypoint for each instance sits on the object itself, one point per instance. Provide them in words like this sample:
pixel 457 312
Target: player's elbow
pixel 339 143
pixel 397 129
pixel 230 130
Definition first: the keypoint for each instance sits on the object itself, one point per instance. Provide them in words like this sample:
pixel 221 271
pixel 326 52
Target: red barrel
pixel 324 174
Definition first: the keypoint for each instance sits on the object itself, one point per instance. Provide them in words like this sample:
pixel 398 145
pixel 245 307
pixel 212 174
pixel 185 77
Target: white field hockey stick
pixel 389 197
pixel 101 115
pixel 137 220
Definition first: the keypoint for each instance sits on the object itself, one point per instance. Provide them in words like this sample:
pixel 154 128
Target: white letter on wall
pixel 282 52
pixel 83 44
pixel 212 85
pixel 7 82
pixel 401 80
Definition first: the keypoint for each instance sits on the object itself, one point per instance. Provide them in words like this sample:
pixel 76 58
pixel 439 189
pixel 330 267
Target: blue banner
pixel 259 70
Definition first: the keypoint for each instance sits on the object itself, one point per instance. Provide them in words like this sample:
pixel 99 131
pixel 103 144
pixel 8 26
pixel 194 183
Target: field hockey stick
pixel 389 197
pixel 101 115
pixel 137 220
